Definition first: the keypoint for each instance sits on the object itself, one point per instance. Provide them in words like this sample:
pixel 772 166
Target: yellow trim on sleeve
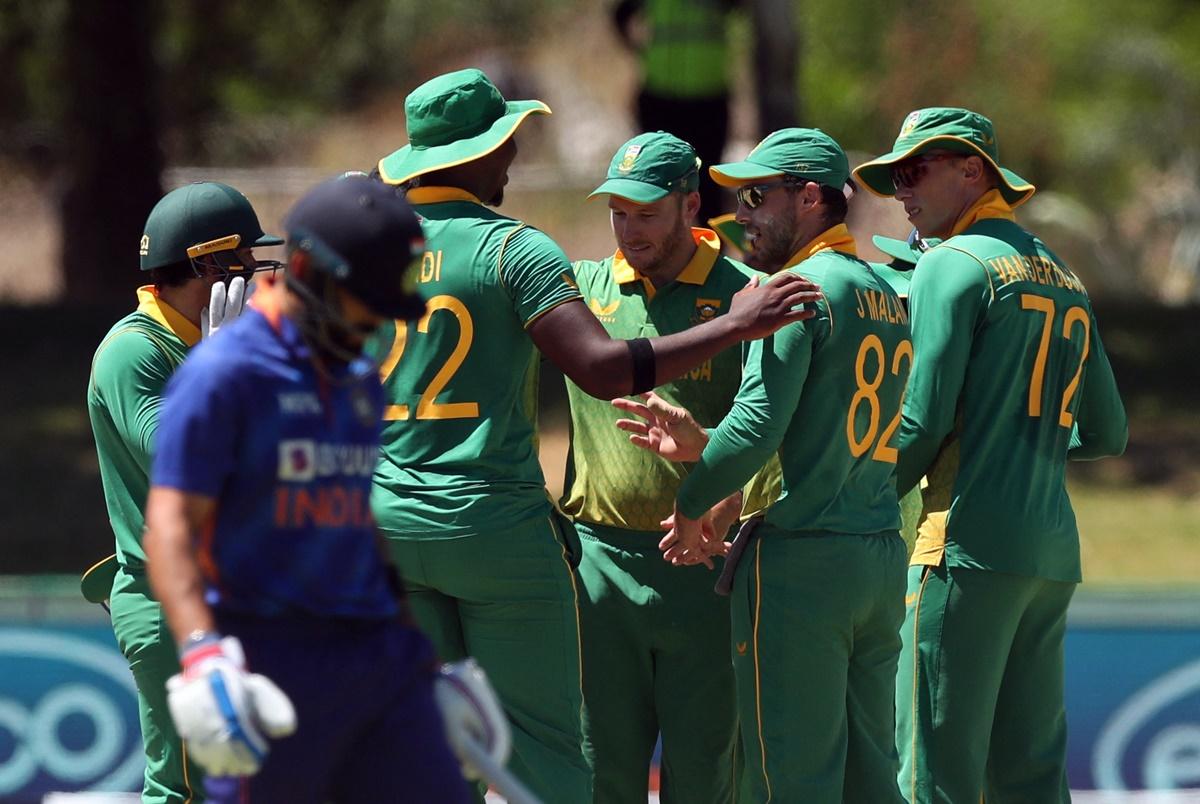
pixel 556 305
pixel 150 304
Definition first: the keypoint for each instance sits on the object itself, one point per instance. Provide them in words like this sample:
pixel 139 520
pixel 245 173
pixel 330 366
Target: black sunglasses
pixel 911 171
pixel 751 196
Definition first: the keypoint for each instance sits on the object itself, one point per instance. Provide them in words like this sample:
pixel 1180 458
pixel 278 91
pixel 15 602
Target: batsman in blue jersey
pixel 263 552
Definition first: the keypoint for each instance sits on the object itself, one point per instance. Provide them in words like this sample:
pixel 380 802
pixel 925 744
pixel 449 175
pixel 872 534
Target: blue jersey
pixel 289 457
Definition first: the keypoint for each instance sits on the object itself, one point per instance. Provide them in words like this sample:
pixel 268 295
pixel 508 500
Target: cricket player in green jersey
pixel 643 623
pixel 817 596
pixel 198 239
pixel 1009 381
pixel 898 274
pixel 459 492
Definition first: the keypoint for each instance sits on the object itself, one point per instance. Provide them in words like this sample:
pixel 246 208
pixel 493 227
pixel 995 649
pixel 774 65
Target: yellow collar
pixel 708 248
pixel 837 238
pixel 439 195
pixel 990 205
pixel 168 316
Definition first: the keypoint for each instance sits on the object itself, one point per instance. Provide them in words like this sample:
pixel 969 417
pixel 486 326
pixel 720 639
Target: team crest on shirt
pixel 910 123
pixel 706 310
pixel 627 161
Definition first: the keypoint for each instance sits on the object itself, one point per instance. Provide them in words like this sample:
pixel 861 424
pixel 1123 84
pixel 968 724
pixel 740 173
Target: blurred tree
pixel 776 55
pixel 111 143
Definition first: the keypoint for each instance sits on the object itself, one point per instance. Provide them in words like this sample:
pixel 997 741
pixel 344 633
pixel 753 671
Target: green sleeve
pixel 129 376
pixel 772 379
pixel 1101 427
pixel 536 273
pixel 947 298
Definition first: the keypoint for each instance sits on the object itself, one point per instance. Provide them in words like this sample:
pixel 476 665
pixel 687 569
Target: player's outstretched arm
pixel 223 713
pixel 570 337
pixel 667 430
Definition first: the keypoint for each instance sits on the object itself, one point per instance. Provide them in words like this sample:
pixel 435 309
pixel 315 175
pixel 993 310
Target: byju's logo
pixel 1153 740
pixel 68 716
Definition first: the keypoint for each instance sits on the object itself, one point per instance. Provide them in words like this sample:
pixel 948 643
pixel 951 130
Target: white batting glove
pixel 222 712
pixel 471 713
pixel 224 305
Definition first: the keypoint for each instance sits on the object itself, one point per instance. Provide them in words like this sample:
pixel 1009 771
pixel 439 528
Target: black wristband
pixel 644 369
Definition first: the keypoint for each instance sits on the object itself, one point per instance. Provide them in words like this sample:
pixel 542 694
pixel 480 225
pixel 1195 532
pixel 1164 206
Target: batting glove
pixel 224 305
pixel 222 712
pixel 472 714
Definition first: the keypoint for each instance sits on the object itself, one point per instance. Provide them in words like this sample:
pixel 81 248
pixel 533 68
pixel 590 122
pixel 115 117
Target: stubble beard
pixel 773 247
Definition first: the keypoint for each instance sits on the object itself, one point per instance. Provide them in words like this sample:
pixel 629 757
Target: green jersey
pixel 610 481
pixel 898 275
pixel 129 372
pixel 825 394
pixel 459 452
pixel 1009 378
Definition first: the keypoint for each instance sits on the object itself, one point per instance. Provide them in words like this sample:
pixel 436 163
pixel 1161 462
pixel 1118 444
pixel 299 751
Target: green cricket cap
pixel 806 153
pixel 453 119
pixel 949 129
pixel 909 250
pixel 649 167
pixel 200 218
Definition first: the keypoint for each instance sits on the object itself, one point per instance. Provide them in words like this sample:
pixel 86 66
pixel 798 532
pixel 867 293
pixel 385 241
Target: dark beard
pixel 497 199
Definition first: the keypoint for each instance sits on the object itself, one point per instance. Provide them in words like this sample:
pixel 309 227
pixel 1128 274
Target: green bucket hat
pixel 909 250
pixel 807 153
pixel 649 167
pixel 197 219
pixel 950 129
pixel 452 119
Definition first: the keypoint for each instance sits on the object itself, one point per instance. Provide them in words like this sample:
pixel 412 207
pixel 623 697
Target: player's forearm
pixel 604 368
pixel 1101 425
pixel 171 563
pixel 727 464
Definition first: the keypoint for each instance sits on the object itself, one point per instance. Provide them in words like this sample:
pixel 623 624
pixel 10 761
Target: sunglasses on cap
pixel 909 172
pixel 751 196
pixel 918 243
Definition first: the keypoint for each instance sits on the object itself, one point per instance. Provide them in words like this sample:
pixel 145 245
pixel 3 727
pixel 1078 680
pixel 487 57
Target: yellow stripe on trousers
pixel 762 745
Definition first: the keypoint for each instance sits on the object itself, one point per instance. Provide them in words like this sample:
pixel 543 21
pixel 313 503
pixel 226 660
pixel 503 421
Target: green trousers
pixel 815 623
pixel 979 694
pixel 143 636
pixel 655 659
pixel 509 599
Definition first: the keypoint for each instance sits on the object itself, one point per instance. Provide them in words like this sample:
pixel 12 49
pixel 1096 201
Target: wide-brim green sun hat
pixel 807 153
pixel 948 129
pixel 453 119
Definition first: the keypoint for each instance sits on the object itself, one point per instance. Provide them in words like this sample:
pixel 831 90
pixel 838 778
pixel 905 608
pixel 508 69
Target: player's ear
pixel 691 205
pixel 299 264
